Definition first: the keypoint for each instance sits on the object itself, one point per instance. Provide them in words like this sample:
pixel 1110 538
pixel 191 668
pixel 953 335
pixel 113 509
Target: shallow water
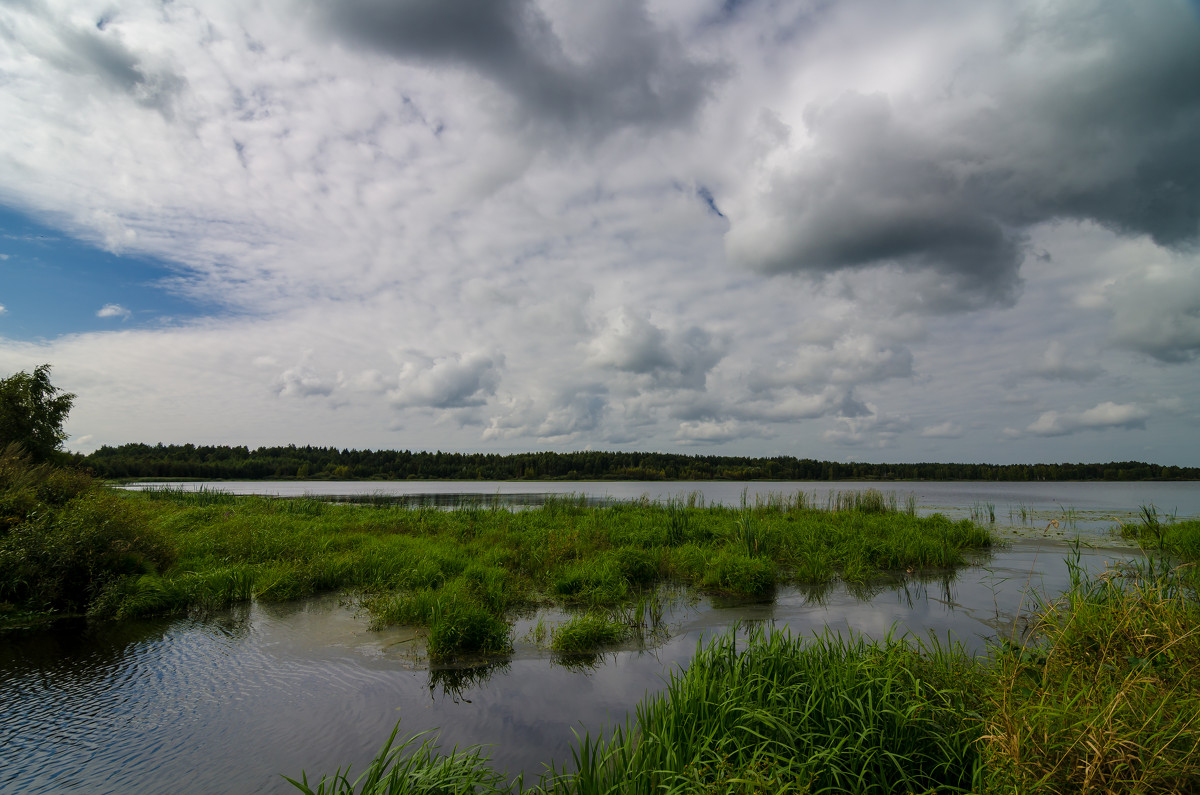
pixel 229 703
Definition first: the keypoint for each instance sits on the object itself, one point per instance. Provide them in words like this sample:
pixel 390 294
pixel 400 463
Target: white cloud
pixel 1103 415
pixel 113 310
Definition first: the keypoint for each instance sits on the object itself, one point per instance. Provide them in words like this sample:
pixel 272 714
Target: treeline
pixel 330 463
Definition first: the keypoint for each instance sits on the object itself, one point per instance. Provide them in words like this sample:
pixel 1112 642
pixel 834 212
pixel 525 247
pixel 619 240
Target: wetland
pixel 281 634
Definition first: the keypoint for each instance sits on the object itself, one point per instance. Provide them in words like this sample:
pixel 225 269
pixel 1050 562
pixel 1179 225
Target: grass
pixel 1102 695
pixel 414 767
pixel 462 573
pixel 785 714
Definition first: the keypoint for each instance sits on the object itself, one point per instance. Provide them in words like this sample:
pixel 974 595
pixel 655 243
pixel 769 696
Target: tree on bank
pixel 32 412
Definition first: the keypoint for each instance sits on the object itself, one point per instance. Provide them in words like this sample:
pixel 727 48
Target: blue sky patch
pixel 52 284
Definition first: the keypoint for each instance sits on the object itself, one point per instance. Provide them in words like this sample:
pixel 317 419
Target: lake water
pixel 228 703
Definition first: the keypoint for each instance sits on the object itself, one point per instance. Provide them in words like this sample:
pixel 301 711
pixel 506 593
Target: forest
pixel 329 463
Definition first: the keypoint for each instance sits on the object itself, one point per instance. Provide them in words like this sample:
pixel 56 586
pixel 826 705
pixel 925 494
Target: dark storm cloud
pixel 97 51
pixel 1106 128
pixel 636 75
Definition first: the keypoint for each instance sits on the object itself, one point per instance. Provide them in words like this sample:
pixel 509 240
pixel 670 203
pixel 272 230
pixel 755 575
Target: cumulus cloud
pixel 451 382
pixel 1104 415
pixel 303 381
pixel 710 432
pixel 850 359
pixel 632 344
pixel 113 310
pixel 870 428
pixel 535 223
pixel 557 417
pixel 1086 110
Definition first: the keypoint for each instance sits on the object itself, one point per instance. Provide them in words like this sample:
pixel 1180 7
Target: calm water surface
pixel 228 703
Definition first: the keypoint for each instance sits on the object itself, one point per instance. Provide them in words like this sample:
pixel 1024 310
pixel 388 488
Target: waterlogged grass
pixel 1102 696
pixel 584 633
pixel 69 546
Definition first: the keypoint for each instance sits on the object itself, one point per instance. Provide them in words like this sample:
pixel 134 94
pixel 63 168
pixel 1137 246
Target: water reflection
pixel 455 682
pixel 229 702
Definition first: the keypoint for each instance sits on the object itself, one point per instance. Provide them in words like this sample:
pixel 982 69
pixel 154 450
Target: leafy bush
pixel 63 540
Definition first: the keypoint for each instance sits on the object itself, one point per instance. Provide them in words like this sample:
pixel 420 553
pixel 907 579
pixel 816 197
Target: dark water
pixel 229 703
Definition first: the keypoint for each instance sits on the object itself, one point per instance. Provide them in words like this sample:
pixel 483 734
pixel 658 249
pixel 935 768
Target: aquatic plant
pixel 414 767
pixel 781 713
pixel 586 632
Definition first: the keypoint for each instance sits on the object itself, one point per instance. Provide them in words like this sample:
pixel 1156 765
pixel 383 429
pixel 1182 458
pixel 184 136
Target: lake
pixel 230 702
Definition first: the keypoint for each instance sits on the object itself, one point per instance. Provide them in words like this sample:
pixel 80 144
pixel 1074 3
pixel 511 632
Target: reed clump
pixel 1104 696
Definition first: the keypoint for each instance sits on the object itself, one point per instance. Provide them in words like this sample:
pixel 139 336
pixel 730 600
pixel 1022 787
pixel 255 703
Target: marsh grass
pixel 414 767
pixel 1104 695
pixel 785 714
pixel 463 573
pixel 586 633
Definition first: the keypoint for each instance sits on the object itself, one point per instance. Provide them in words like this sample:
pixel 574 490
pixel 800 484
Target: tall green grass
pixel 784 714
pixel 414 767
pixel 1104 695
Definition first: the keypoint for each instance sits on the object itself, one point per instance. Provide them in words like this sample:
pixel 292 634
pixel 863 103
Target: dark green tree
pixel 32 412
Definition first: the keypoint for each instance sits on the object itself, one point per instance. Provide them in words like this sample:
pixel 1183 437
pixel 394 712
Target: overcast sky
pixel 880 230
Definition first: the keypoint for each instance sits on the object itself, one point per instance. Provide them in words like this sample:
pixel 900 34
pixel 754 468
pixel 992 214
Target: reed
pixel 784 714
pixel 1104 695
pixel 414 767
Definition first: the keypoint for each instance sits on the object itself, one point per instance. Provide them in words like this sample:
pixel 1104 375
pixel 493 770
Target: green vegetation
pixel 330 463
pixel 70 546
pixel 32 412
pixel 64 541
pixel 415 768
pixel 1102 695
pixel 586 632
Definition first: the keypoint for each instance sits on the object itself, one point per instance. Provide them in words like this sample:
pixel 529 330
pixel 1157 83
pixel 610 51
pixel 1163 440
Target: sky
pixel 878 230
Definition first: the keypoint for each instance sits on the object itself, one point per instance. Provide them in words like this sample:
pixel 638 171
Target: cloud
pixel 113 310
pixel 632 344
pixel 851 359
pixel 557 417
pixel 302 381
pixel 1157 312
pixel 716 432
pixel 1104 415
pixel 945 430
pixel 2 309
pixel 451 382
pixel 1056 365
pixel 94 52
pixel 1032 113
pixel 589 69
pixel 868 427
